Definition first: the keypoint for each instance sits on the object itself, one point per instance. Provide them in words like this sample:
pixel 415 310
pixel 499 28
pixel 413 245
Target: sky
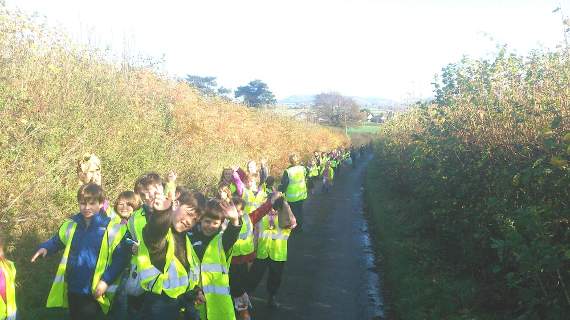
pixel 390 49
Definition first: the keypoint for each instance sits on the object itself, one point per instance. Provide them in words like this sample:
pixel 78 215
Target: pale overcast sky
pixel 389 49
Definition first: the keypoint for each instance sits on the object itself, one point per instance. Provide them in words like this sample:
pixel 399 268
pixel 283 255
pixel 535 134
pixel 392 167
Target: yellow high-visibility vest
pixel 113 234
pixel 244 244
pixel 297 187
pixel 173 280
pixel 272 242
pixel 215 282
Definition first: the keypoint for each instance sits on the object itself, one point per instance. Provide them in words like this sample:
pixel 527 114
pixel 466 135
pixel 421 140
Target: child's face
pixel 150 193
pixel 185 217
pixel 1 252
pixel 124 209
pixel 89 208
pixel 250 184
pixel 210 226
pixel 227 175
pixel 252 167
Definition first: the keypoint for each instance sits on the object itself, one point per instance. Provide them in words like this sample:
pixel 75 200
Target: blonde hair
pixel 294 159
pixel 89 169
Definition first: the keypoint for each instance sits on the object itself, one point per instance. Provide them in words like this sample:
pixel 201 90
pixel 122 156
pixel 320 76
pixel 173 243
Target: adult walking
pixel 294 186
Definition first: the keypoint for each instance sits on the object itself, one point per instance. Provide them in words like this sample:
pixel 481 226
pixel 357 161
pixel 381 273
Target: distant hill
pixel 305 100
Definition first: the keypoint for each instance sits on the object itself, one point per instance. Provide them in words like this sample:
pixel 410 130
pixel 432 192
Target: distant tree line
pixel 255 94
pixel 329 107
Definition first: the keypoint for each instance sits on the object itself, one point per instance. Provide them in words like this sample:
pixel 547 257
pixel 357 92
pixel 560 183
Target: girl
pixel 226 180
pixel 7 286
pixel 127 202
pixel 243 253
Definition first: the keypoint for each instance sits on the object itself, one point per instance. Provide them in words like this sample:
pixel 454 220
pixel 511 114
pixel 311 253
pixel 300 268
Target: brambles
pixel 489 166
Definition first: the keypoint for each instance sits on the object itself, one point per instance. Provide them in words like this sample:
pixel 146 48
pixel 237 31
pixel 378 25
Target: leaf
pixel 555 124
pixel 566 138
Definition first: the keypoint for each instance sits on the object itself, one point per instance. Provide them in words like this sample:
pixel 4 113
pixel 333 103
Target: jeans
pixel 297 209
pixel 83 307
pixel 119 306
pixel 159 307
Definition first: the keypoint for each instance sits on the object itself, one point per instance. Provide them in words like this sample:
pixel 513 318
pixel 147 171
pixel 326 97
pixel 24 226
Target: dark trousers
pixel 273 279
pixel 239 276
pixel 297 209
pixel 83 307
pixel 159 307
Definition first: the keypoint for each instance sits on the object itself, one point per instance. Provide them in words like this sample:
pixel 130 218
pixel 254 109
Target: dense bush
pixel 488 165
pixel 59 100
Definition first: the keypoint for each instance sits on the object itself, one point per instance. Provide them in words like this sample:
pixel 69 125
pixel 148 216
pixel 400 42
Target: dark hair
pixel 214 210
pixel 133 200
pixel 238 203
pixel 270 181
pixel 278 205
pixel 193 199
pixel 146 180
pixel 90 192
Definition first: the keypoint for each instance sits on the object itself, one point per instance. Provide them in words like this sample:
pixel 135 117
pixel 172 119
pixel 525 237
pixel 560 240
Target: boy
pixel 95 255
pixel 214 250
pixel 167 263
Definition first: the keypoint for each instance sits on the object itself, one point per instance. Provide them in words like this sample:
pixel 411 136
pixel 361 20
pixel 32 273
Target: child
pixel 226 180
pixel 313 175
pixel 91 265
pixel 127 202
pixel 167 263
pixel 89 171
pixel 243 253
pixel 214 250
pixel 328 177
pixel 275 229
pixel 294 186
pixel 8 307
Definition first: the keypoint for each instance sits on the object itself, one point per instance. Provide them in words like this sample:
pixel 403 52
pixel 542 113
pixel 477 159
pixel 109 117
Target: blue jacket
pixel 84 253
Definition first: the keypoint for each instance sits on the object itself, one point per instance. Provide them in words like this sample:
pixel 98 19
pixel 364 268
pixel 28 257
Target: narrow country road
pixel 330 272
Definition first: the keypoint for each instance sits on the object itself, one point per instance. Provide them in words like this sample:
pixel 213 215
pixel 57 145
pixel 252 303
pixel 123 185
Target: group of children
pixel 162 251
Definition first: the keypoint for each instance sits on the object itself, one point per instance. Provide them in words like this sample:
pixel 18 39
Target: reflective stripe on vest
pixel 244 245
pixel 215 282
pixel 297 187
pixel 8 308
pixel 252 200
pixel 113 234
pixel 136 223
pixel 272 242
pixel 173 280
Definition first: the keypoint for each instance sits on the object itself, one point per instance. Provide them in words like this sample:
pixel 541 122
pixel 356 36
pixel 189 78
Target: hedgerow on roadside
pixel 487 163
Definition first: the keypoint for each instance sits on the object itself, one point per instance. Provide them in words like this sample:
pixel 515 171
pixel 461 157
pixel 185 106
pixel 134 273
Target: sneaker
pixel 244 315
pixel 272 303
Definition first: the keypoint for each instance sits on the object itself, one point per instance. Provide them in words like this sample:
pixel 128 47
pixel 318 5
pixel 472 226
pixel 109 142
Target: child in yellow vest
pixel 95 254
pixel 7 286
pixel 127 202
pixel 274 232
pixel 214 250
